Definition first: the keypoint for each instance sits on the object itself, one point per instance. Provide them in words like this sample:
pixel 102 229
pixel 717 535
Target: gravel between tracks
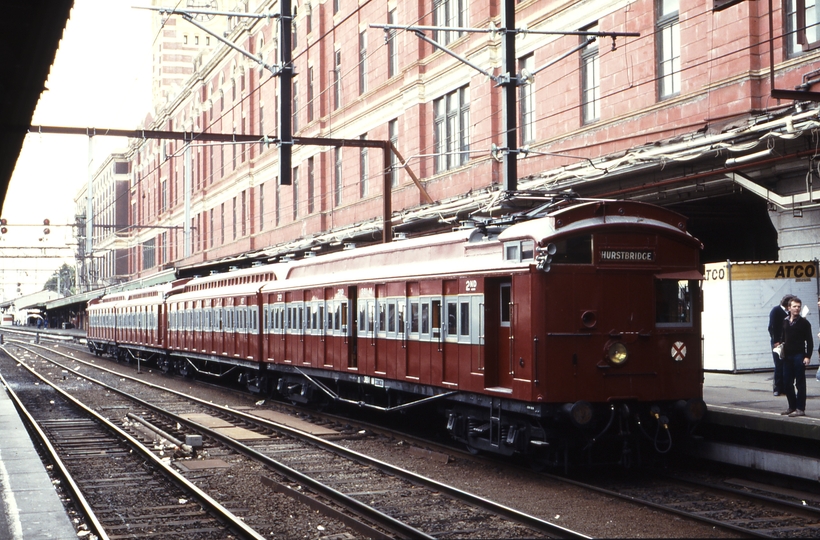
pixel 569 506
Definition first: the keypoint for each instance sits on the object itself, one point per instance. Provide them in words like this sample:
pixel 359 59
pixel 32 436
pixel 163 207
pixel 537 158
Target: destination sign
pixel 626 255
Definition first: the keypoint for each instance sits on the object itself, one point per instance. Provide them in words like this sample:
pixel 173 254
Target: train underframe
pixel 547 434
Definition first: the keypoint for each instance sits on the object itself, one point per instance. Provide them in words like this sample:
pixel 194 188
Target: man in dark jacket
pixel 798 347
pixel 776 317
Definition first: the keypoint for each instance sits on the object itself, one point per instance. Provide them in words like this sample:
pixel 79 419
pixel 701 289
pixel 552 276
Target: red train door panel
pixel 449 331
pixel 365 325
pixel 498 317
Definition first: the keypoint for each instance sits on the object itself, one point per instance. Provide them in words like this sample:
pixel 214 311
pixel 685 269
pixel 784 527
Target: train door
pixel 295 343
pixel 498 333
pixel 332 338
pixel 218 327
pixel 412 367
pixel 382 351
pixel 394 346
pixel 449 334
pixel 350 328
pixel 314 328
pixel 365 326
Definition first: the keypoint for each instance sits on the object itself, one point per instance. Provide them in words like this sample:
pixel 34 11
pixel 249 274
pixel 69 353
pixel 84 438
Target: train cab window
pixel 362 317
pixel 414 317
pixel 673 303
pixel 310 317
pixel 344 317
pixel 425 318
pixel 575 250
pixel 371 316
pixel 504 304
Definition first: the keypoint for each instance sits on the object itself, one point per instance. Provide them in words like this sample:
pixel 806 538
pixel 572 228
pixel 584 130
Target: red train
pixel 552 337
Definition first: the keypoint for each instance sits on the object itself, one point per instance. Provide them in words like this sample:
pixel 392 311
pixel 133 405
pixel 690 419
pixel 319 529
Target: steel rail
pixel 214 506
pixel 470 498
pixel 72 487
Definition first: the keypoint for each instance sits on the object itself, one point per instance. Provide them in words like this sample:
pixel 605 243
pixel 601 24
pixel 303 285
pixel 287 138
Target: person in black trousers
pixel 776 317
pixel 798 346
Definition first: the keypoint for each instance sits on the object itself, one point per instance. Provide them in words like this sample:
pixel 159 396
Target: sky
pixel 101 77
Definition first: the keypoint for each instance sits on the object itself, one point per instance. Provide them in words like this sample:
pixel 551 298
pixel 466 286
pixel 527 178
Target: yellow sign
pixel 800 271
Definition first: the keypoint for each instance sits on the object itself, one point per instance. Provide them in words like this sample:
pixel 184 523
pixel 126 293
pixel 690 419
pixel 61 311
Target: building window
pixel 362 62
pixel 164 195
pixel 295 189
pixel 668 45
pixel 451 121
pixel 590 80
pixel 393 133
pixel 337 79
pixel 450 13
pixel 261 207
pixel 392 50
pixel 310 185
pixel 234 218
pixel 244 213
pixel 222 225
pixel 309 18
pixel 363 168
pixel 310 95
pixel 261 127
pixel 801 33
pixel 295 113
pixel 148 250
pixel 336 6
pixel 526 102
pixel 211 228
pixel 337 177
pixel 276 202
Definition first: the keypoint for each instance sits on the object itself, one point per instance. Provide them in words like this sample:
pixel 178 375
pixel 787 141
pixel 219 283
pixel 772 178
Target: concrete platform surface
pixel 30 507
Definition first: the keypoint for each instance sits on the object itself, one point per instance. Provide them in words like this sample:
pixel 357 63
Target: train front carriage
pixel 600 338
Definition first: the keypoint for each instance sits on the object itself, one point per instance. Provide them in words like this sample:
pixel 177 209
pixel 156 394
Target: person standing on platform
pixel 798 346
pixel 776 317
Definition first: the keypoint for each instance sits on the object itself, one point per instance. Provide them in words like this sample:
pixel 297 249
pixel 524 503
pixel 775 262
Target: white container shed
pixel 737 299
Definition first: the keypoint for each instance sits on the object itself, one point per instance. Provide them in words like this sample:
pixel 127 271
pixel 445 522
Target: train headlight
pixel 616 353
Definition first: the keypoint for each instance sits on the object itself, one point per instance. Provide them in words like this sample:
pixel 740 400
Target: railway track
pixel 240 446
pixel 123 490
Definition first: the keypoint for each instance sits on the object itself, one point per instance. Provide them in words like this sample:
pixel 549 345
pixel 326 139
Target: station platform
pixel 30 507
pixel 745 400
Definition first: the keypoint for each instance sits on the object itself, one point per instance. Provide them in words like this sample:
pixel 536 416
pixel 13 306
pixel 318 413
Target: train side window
pixel 371 316
pixel 345 316
pixel 321 317
pixel 452 318
pixel 673 303
pixel 414 317
pixel 391 317
pixel 362 317
pixel 505 304
pixel 381 307
pixel 400 322
pixel 254 317
pixel 425 318
pixel 464 318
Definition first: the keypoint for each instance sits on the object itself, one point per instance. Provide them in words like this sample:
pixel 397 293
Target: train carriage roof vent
pixel 287 258
pixel 213 272
pixel 310 254
pixel 233 268
pixel 399 236
pixel 349 246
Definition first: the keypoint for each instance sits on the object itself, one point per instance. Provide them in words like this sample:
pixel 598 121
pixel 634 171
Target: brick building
pixel 682 114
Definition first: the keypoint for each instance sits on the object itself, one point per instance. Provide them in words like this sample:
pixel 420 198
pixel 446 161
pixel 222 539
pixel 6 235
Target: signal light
pixel 3 228
pixel 46 222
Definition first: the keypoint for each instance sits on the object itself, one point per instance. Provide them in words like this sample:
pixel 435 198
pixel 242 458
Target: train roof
pixel 138 297
pixel 594 214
